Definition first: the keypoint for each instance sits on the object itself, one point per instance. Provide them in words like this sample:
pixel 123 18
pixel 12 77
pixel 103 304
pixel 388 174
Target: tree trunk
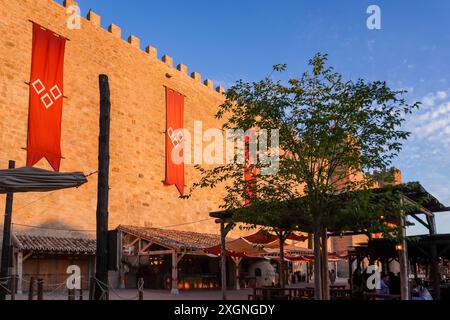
pixel 317 264
pixel 325 271
pixel 282 264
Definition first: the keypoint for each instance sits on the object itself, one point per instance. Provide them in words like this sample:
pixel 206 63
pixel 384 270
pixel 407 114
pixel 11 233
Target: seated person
pixel 419 292
pixel 384 285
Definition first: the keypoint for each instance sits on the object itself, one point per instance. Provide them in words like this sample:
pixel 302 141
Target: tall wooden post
pixel 282 264
pixel 40 289
pixel 435 274
pixel 324 265
pixel 6 245
pixel 403 259
pixel 101 267
pixel 223 260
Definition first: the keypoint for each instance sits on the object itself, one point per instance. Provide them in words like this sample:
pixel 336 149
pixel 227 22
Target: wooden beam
pixel 28 255
pixel 157 253
pixel 148 245
pixel 181 256
pixel 418 219
pixel 132 243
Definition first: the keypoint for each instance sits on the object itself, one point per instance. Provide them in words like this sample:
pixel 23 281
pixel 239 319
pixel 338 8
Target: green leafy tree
pixel 332 132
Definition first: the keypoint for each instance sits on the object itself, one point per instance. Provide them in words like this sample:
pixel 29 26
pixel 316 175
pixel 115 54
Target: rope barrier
pixel 105 288
pixel 55 291
pixel 3 285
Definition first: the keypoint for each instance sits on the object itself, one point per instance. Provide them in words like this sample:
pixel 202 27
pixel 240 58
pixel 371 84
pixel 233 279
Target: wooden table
pixel 270 293
pixel 379 296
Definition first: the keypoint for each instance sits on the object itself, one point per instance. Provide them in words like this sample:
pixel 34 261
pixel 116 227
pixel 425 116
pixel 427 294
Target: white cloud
pixel 432 122
pixel 431 99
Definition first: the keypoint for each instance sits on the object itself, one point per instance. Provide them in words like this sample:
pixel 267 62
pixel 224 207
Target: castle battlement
pixel 138 78
pixel 151 51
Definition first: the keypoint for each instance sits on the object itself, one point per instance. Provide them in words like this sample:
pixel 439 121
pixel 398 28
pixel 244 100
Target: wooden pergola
pixel 424 249
pixel 412 193
pixel 27 246
pixel 140 243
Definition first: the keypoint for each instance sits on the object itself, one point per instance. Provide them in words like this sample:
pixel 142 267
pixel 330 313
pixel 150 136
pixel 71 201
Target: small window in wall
pixel 258 272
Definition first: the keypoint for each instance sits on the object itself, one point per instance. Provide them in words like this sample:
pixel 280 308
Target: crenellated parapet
pixel 151 51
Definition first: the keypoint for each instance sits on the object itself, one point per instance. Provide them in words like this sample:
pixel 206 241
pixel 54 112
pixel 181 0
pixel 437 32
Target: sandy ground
pixel 132 294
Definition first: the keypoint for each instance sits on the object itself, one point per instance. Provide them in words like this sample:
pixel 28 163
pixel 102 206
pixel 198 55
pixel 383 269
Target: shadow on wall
pixel 52 228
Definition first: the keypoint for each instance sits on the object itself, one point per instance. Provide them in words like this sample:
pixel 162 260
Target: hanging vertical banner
pixel 46 97
pixel 250 171
pixel 174 139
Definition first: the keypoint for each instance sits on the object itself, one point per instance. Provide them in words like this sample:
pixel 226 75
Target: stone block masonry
pixel 137 79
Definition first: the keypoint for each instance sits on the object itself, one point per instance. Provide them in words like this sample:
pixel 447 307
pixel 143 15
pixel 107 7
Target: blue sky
pixel 230 40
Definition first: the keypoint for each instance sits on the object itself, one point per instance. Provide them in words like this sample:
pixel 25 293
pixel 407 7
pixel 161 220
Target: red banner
pixel 250 170
pixel 46 97
pixel 174 139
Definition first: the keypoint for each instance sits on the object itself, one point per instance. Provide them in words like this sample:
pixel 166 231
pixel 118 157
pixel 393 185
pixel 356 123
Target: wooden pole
pixel 19 271
pixel 237 263
pixel 91 288
pixel 403 259
pixel 101 267
pixel 141 289
pixel 31 288
pixel 40 289
pixel 435 275
pixel 223 260
pixel 174 290
pixel 13 287
pixel 6 245
pixel 282 264
pixel 71 294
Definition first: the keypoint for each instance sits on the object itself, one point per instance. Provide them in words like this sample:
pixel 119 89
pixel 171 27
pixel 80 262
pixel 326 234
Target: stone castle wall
pixel 137 80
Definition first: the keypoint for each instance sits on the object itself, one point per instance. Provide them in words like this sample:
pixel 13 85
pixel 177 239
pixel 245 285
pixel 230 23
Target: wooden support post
pixel 223 259
pixel 403 260
pixel 175 290
pixel 6 245
pixel 40 289
pixel 141 288
pixel 101 271
pixel 435 275
pixel 31 288
pixel 122 276
pixel 91 288
pixel 282 263
pixel 13 287
pixel 237 262
pixel 71 294
pixel 19 272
